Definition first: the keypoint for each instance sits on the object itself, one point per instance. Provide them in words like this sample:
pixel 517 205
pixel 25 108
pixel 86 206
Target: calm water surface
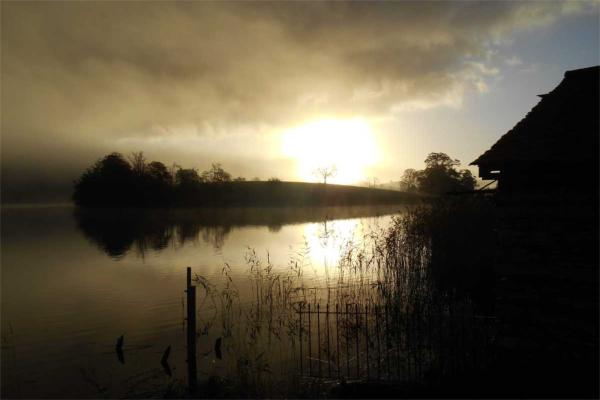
pixel 73 281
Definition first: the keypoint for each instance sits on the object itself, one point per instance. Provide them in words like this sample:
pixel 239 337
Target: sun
pixel 348 145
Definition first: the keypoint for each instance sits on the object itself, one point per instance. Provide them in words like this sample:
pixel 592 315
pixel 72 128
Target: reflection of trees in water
pixel 117 231
pixel 325 233
pixel 215 235
pixel 153 241
pixel 274 228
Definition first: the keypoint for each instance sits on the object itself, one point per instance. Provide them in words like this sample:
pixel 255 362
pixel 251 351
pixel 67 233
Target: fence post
pixel 300 338
pixel 337 337
pixel 377 315
pixel 191 338
pixel 347 342
pixel 367 339
pixel 319 337
pixel 474 341
pixel 328 349
pixel 463 339
pixel 357 320
pixel 441 344
pixel 309 344
pixel 387 340
pixel 401 323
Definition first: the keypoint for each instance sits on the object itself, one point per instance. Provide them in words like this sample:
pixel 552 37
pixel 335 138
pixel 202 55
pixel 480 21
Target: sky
pixel 273 89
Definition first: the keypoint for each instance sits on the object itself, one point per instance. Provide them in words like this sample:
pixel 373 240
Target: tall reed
pixel 430 267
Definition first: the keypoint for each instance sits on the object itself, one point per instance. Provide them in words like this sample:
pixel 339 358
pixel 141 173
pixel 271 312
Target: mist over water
pixel 74 281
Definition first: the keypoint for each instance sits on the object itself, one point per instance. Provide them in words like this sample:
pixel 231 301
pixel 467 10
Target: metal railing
pixel 381 342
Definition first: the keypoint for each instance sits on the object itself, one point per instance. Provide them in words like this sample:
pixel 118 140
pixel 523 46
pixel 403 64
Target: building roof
pixel 562 127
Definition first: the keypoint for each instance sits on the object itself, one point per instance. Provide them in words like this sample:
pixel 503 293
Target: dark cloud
pixel 78 76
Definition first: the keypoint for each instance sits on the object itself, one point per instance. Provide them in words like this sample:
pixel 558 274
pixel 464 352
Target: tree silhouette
pixel 187 177
pixel 107 182
pixel 138 163
pixel 326 172
pixel 440 160
pixel 116 181
pixel 216 174
pixel 158 172
pixel 467 180
pixel 410 180
pixel 441 176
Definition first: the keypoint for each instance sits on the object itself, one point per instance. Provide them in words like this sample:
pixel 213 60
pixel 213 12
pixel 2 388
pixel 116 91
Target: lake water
pixel 74 281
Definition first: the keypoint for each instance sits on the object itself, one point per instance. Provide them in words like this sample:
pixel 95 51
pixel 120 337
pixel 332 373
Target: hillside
pixel 285 194
pixel 116 193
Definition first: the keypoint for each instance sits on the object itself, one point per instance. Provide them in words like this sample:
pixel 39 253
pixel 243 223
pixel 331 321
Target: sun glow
pixel 347 145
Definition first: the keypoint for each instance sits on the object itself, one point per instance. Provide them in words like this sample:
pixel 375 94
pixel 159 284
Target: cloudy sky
pixel 274 88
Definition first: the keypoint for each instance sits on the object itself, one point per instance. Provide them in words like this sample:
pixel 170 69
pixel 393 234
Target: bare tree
pixel 173 170
pixel 372 182
pixel 216 174
pixel 138 162
pixel 326 172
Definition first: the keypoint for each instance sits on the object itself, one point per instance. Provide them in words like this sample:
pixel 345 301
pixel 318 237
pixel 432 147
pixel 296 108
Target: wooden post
pixel 191 338
pixel 188 277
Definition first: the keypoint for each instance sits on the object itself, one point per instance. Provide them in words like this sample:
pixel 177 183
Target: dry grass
pixel 427 269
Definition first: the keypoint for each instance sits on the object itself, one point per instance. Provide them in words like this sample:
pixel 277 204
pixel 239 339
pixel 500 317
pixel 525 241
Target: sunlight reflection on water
pixel 73 282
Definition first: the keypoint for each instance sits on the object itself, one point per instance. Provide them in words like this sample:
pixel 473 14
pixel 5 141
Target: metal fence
pixel 381 342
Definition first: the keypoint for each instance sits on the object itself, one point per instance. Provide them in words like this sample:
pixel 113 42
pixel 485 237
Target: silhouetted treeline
pixel 114 181
pixel 439 176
